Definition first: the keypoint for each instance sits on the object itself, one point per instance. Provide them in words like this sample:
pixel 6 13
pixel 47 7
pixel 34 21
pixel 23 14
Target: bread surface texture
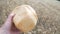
pixel 25 18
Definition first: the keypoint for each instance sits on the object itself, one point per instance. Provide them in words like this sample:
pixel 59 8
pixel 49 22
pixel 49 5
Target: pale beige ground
pixel 48 12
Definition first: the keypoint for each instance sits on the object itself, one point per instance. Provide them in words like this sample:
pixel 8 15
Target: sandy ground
pixel 48 12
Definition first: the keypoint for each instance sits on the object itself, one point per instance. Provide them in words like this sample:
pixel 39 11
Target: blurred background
pixel 48 12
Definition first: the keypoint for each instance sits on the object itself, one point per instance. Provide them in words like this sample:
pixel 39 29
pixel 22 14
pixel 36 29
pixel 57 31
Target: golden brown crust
pixel 25 18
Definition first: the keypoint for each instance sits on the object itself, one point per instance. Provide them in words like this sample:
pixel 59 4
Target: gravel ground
pixel 48 12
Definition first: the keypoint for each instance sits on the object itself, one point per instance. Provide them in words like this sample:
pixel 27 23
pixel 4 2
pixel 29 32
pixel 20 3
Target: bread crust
pixel 25 18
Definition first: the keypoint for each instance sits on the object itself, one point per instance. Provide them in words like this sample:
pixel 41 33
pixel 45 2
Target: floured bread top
pixel 25 18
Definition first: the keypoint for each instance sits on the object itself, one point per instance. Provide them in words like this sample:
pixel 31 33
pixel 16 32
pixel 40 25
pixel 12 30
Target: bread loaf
pixel 25 18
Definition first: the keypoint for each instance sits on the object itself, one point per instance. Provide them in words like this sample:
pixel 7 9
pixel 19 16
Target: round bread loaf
pixel 25 18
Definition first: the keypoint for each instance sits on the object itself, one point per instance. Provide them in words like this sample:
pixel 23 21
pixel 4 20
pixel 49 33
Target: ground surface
pixel 48 12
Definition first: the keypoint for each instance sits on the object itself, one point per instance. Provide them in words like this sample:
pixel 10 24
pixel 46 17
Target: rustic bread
pixel 25 18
